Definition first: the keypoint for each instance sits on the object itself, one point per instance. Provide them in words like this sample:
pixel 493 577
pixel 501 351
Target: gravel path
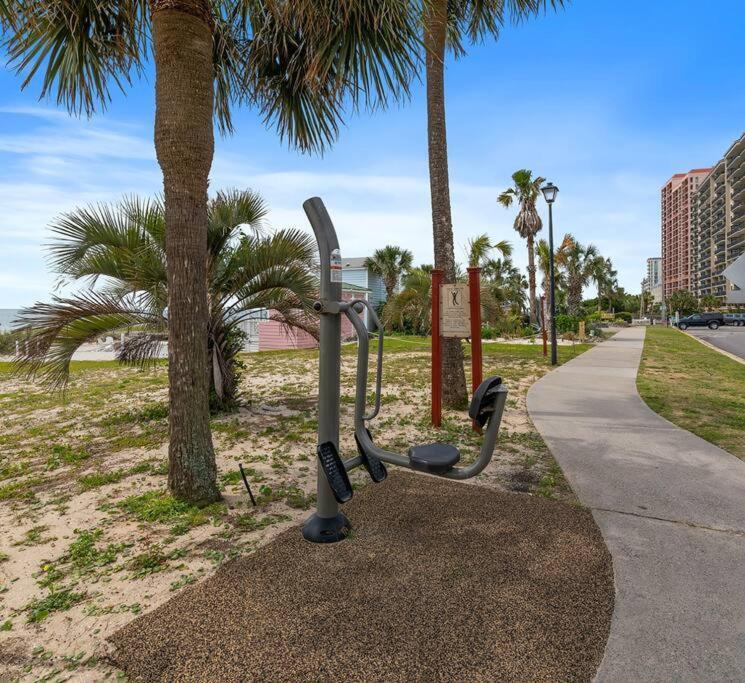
pixel 440 581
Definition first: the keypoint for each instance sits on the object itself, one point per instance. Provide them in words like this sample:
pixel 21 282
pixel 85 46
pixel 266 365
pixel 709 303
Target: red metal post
pixel 436 350
pixel 543 326
pixel 477 367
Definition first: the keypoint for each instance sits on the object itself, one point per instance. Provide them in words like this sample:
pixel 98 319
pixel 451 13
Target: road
pixel 669 506
pixel 728 338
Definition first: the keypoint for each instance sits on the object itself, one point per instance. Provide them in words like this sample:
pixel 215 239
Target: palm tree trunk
pixel 184 144
pixel 531 280
pixel 454 393
pixel 574 299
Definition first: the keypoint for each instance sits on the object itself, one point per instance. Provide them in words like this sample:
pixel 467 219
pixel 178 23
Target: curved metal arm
pixel 362 381
pixel 490 434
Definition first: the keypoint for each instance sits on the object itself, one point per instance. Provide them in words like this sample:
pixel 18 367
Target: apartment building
pixel 718 236
pixel 678 208
pixel 653 281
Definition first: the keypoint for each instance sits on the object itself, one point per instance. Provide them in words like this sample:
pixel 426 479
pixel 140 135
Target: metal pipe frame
pixel 328 524
pixel 490 435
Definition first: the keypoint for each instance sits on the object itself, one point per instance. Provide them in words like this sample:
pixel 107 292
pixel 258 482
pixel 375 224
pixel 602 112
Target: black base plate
pixel 326 529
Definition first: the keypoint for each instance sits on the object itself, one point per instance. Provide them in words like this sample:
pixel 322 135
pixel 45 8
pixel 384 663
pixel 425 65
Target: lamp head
pixel 549 192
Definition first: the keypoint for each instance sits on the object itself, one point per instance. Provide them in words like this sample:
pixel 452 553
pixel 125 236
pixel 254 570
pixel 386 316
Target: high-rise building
pixel 719 228
pixel 653 281
pixel 678 206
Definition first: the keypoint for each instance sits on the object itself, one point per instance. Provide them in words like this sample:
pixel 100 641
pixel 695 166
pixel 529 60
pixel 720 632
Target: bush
pixel 566 323
pixel 624 316
pixel 8 342
pixel 595 316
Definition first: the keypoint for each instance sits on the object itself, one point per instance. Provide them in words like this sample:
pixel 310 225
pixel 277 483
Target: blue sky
pixel 607 99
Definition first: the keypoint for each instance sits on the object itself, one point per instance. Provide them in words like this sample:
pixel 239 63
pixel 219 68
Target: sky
pixel 605 99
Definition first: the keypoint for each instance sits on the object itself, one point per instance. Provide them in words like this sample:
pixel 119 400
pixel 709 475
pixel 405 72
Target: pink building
pixel 678 205
pixel 272 335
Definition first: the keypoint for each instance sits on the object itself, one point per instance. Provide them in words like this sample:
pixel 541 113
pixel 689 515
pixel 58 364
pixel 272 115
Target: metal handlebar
pixel 379 371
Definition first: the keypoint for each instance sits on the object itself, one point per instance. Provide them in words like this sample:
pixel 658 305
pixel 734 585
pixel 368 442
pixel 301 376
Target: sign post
pixel 436 349
pixel 456 313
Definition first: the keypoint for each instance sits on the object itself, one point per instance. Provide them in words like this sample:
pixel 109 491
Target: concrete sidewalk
pixel 671 507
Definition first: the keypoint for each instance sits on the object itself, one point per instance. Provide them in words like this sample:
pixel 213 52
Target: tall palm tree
pixel 119 251
pixel 525 191
pixel 299 63
pixel 542 254
pixel 481 247
pixel 578 263
pixel 606 279
pixel 453 23
pixel 390 263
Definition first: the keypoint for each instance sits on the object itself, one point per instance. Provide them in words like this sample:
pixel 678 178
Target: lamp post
pixel 549 194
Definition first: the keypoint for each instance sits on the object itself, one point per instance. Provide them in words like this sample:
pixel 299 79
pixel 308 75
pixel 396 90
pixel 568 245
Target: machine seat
pixel 435 458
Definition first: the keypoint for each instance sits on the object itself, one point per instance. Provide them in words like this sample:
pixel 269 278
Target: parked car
pixel 710 320
pixel 735 319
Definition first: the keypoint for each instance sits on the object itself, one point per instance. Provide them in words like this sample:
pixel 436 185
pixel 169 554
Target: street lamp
pixel 549 194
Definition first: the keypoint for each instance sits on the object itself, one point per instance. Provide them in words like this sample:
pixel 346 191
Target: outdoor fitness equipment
pixel 328 524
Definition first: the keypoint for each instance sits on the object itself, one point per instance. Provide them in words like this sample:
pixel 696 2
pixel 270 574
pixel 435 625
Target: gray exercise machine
pixel 328 524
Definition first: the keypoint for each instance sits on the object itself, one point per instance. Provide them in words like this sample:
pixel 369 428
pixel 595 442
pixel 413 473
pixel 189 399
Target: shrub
pixel 566 323
pixel 625 316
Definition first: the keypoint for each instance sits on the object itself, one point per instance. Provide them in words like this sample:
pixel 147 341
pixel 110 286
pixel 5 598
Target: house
pixel 265 334
pixel 354 272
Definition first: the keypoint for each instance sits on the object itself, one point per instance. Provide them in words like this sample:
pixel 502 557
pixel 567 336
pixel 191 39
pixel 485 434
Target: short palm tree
pixel 299 63
pixel 525 191
pixel 411 308
pixel 578 263
pixel 119 251
pixel 390 263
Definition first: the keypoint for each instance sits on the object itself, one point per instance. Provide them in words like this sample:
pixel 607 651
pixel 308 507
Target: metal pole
pixel 552 282
pixel 544 334
pixel 436 349
pixel 474 291
pixel 327 524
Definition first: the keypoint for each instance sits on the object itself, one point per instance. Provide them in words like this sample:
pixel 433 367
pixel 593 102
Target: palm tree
pixel 606 279
pixel 299 63
pixel 578 263
pixel 525 191
pixel 120 251
pixel 542 253
pixel 452 23
pixel 390 263
pixel 480 249
pixel 411 308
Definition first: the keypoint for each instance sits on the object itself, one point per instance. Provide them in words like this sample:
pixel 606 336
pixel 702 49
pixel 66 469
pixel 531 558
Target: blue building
pixel 355 273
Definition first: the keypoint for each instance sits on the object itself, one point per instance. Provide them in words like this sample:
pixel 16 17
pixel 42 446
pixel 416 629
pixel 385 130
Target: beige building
pixel 718 232
pixel 653 282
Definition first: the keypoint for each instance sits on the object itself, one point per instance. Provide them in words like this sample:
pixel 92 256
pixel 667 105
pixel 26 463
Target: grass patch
pixel 96 479
pixel 694 387
pixel 56 601
pixel 64 454
pixel 161 507
pixel 251 522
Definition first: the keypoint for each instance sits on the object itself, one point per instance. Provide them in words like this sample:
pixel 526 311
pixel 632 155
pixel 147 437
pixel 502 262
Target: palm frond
pixel 58 329
pixel 309 58
pixel 79 47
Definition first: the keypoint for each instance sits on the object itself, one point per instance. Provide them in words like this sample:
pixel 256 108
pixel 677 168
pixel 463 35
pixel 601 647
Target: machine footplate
pixel 374 466
pixel 335 473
